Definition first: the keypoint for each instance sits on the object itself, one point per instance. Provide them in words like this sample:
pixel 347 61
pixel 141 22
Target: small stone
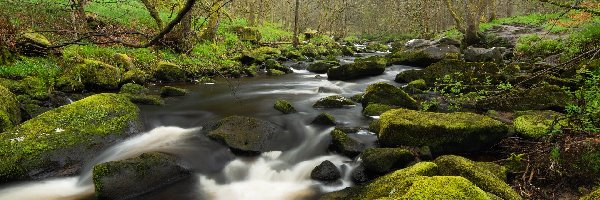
pixel 326 171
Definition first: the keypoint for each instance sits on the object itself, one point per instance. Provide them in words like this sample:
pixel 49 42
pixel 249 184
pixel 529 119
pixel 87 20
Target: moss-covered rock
pixel 409 76
pixel 274 72
pixel 72 132
pixel 261 55
pixel 344 144
pixel 442 132
pixel 499 171
pixel 537 124
pixel 376 109
pixel 10 113
pixel 132 88
pixel 416 86
pixel 458 166
pixel 348 50
pixel 168 72
pixel 170 91
pixel 248 34
pixel 245 135
pixel 136 76
pixel 321 67
pixel 423 56
pixel 383 160
pixel 386 94
pixel 33 44
pixel 470 73
pixel 393 182
pixel 324 119
pixel 272 64
pixel 443 188
pixel 359 69
pixel 96 75
pixel 335 101
pixel 139 94
pixel 376 46
pixel 136 176
pixel 123 61
pixel 284 107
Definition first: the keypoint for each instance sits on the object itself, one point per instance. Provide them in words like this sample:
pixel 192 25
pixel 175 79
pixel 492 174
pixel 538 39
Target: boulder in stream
pixel 326 171
pixel 386 94
pixel 384 160
pixel 170 91
pixel 65 136
pixel 344 144
pixel 324 119
pixel 335 101
pixel 442 132
pixel 135 176
pixel 321 67
pixel 245 135
pixel 422 53
pixel 361 68
pixel 168 72
pixel 284 107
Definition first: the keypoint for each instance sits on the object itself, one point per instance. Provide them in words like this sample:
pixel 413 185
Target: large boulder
pixel 96 75
pixel 272 65
pixel 359 69
pixel 335 101
pixel 458 166
pixel 10 113
pixel 168 72
pixel 344 144
pixel 326 171
pixel 245 135
pixel 494 54
pixel 538 124
pixel 321 67
pixel 384 160
pixel 423 54
pixel 260 55
pixel 442 132
pixel 374 109
pixel 65 136
pixel 386 94
pixel 135 176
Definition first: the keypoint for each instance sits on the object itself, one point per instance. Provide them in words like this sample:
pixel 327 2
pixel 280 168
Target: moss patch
pixel 536 125
pixel 168 72
pixel 342 143
pixel 386 94
pixel 442 132
pixel 376 109
pixel 359 69
pixel 10 113
pixel 284 107
pixel 96 75
pixel 441 187
pixel 335 101
pixel 169 91
pixel 324 119
pixel 68 132
pixel 383 160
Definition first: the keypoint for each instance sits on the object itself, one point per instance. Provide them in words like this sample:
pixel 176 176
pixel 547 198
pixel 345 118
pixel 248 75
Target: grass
pixel 34 66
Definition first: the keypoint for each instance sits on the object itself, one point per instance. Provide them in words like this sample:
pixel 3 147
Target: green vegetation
pixel 284 106
pixel 335 101
pixel 170 91
pixel 10 114
pixel 383 160
pixel 536 125
pixel 386 94
pixel 324 119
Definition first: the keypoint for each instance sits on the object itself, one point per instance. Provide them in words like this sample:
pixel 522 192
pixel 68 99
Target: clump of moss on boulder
pixel 416 86
pixel 284 107
pixel 383 160
pixel 136 176
pixel 139 94
pixel 10 112
pixel 450 165
pixel 409 76
pixel 272 64
pixel 376 109
pixel 96 75
pixel 248 34
pixel 321 67
pixel 386 94
pixel 75 131
pixel 344 144
pixel 537 124
pixel 324 119
pixel 442 132
pixel 170 91
pixel 335 101
pixel 132 88
pixel 359 69
pixel 136 76
pixel 245 135
pixel 261 55
pixel 168 72
pixel 592 196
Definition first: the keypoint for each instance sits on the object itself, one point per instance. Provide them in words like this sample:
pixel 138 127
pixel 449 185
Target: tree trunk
pixel 153 12
pixel 210 33
pixel 296 29
pixel 454 13
pixel 78 16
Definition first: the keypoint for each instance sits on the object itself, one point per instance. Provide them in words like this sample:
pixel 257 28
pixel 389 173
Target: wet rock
pixel 348 50
pixel 447 41
pixel 494 54
pixel 284 107
pixel 342 143
pixel 423 56
pixel 324 119
pixel 386 94
pixel 132 88
pixel 65 135
pixel 245 135
pixel 359 175
pixel 321 67
pixel 376 109
pixel 333 102
pixel 418 43
pixel 58 99
pixel 329 90
pixel 377 47
pixel 384 160
pixel 326 172
pixel 409 76
pixel 169 91
pixel 442 132
pixel 361 68
pixel 300 65
pixel 416 86
pixel 135 176
pixel 458 166
pixel 274 65
pixel 168 72
pixel 10 112
pixel 260 55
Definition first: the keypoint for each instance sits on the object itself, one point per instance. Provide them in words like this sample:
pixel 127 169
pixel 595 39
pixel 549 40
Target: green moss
pixel 536 125
pixel 441 187
pixel 443 132
pixel 361 68
pixel 383 160
pixel 275 65
pixel 124 61
pixel 335 101
pixel 499 171
pixel 543 97
pixel 10 113
pixel 376 46
pixel 386 94
pixel 409 76
pixel 486 180
pixel 274 72
pixel 324 119
pixel 376 109
pixel 168 72
pixel 284 106
pixel 595 195
pixel 146 99
pixel 342 143
pixel 73 130
pixel 96 75
pixel 132 88
pixel 136 76
pixel 417 84
pixel 248 34
pixel 263 54
pixel 169 91
pixel 37 38
pixel 321 67
pixel 394 182
pixel 35 87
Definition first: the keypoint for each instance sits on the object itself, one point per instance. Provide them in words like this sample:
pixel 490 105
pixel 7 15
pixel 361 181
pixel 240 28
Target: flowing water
pixel 175 128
